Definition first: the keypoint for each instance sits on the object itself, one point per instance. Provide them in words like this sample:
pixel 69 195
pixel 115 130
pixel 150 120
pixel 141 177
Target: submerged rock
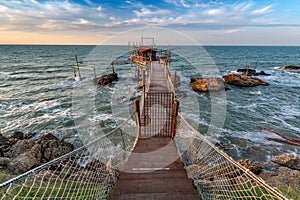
pixel 208 84
pixel 252 72
pixel 243 81
pixel 107 79
pixel 290 67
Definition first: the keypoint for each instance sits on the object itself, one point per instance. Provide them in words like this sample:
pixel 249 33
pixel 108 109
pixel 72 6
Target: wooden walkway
pixel 154 169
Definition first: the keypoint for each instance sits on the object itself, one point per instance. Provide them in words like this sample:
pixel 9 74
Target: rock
pixel 262 73
pixel 5 145
pixel 107 79
pixel 23 163
pixel 290 67
pixel 248 72
pixel 4 161
pixel 52 147
pixel 46 137
pixel 3 139
pixel 243 81
pixel 25 146
pixel 252 72
pixel 207 84
pixel 16 135
pixel 283 178
pixel 254 167
pixel 288 160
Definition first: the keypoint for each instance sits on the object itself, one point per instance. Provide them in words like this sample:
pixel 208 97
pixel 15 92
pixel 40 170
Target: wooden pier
pixel 154 169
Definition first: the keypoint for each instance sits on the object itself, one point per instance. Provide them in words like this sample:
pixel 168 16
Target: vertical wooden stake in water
pixel 137 114
pixel 174 80
pixel 174 118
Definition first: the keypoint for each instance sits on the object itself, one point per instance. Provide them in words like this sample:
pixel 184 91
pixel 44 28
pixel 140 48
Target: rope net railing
pixel 214 173
pixel 89 172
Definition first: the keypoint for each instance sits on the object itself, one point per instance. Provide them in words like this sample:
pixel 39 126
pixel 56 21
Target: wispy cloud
pixel 232 30
pixel 28 15
pixel 145 12
pixel 53 15
pixel 264 10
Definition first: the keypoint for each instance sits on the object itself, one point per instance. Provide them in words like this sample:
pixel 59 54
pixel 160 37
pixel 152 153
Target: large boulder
pixel 243 81
pixel 290 67
pixel 52 147
pixel 208 84
pixel 107 79
pixel 288 160
pixel 23 163
pixel 25 146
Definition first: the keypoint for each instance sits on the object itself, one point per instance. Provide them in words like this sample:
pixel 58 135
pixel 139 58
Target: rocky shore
pixel 20 153
pixel 282 172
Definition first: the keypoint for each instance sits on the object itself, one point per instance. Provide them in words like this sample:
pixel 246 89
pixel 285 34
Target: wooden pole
pixel 137 114
pixel 143 79
pixel 174 118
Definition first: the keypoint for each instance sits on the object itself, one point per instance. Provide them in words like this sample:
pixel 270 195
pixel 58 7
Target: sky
pixel 208 22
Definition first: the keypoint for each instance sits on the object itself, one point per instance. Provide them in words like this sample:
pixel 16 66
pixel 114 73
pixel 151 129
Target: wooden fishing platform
pixel 154 169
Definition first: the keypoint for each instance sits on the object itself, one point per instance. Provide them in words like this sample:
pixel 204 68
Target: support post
pixel 174 118
pixel 174 80
pixel 143 79
pixel 137 115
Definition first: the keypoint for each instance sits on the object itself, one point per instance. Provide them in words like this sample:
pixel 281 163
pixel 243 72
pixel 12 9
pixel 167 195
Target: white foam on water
pixel 255 92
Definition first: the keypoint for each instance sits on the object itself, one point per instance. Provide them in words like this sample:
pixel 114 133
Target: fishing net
pixel 89 172
pixel 214 173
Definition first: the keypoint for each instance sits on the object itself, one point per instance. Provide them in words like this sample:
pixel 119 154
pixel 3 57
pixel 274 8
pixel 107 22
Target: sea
pixel 41 93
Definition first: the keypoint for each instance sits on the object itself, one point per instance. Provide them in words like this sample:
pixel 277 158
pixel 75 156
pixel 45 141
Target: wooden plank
pixel 170 182
pixel 154 169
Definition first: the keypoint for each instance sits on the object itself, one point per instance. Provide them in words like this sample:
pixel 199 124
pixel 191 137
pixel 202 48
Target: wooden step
pixel 154 175
pixel 155 196
pixel 143 186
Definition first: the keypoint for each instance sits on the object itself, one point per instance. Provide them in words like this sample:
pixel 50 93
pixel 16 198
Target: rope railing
pixel 88 172
pixel 214 173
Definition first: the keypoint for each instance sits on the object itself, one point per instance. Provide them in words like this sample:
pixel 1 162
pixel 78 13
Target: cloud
pixel 213 12
pixel 66 15
pixel 29 15
pixel 264 10
pixel 145 12
pixel 232 30
pixel 191 3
